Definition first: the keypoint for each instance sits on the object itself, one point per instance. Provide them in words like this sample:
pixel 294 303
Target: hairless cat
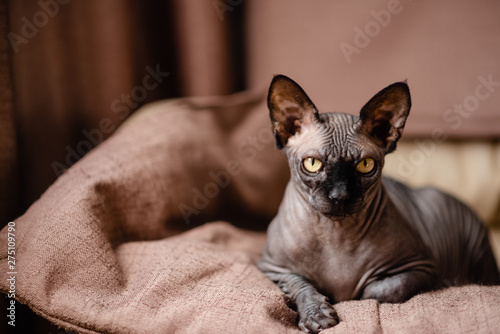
pixel 343 231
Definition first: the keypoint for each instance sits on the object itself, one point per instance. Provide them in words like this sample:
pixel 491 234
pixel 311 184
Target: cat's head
pixel 336 159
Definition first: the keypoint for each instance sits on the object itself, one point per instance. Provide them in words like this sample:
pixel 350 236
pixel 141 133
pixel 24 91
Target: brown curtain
pixel 80 68
pixel 9 176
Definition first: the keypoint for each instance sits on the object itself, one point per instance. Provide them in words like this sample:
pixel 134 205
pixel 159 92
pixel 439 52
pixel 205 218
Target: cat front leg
pixel 315 312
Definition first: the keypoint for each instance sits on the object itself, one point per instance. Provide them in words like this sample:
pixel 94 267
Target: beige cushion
pixel 469 170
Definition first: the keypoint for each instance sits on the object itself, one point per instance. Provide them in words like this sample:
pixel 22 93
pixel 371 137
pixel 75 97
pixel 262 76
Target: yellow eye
pixel 366 165
pixel 312 165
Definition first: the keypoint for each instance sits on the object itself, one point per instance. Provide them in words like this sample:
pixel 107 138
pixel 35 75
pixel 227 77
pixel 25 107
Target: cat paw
pixel 318 316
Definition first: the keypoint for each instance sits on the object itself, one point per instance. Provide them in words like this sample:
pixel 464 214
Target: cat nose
pixel 339 193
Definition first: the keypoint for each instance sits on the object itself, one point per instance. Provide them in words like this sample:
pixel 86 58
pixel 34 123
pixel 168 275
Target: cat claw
pixel 317 318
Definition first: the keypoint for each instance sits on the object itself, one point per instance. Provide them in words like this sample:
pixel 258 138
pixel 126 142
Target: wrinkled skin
pixel 341 234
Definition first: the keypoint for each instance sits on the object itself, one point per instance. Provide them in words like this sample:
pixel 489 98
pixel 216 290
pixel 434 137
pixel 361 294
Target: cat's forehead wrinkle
pixel 342 129
pixel 312 137
pixel 340 121
pixel 334 137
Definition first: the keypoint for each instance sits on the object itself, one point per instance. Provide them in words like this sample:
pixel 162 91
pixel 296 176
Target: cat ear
pixel 383 117
pixel 290 109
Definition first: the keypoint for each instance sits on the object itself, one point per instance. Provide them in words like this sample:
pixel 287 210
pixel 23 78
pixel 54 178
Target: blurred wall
pixel 343 52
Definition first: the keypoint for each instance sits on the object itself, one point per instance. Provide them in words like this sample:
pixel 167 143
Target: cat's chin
pixel 334 215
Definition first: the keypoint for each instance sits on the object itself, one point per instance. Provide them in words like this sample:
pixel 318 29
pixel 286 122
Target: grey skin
pixel 341 234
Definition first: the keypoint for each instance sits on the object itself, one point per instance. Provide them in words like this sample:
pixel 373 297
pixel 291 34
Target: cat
pixel 343 231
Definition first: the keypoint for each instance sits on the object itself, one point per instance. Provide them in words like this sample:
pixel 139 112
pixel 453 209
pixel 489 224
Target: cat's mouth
pixel 338 208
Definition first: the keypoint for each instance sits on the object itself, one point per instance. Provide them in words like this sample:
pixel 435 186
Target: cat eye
pixel 312 165
pixel 366 165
